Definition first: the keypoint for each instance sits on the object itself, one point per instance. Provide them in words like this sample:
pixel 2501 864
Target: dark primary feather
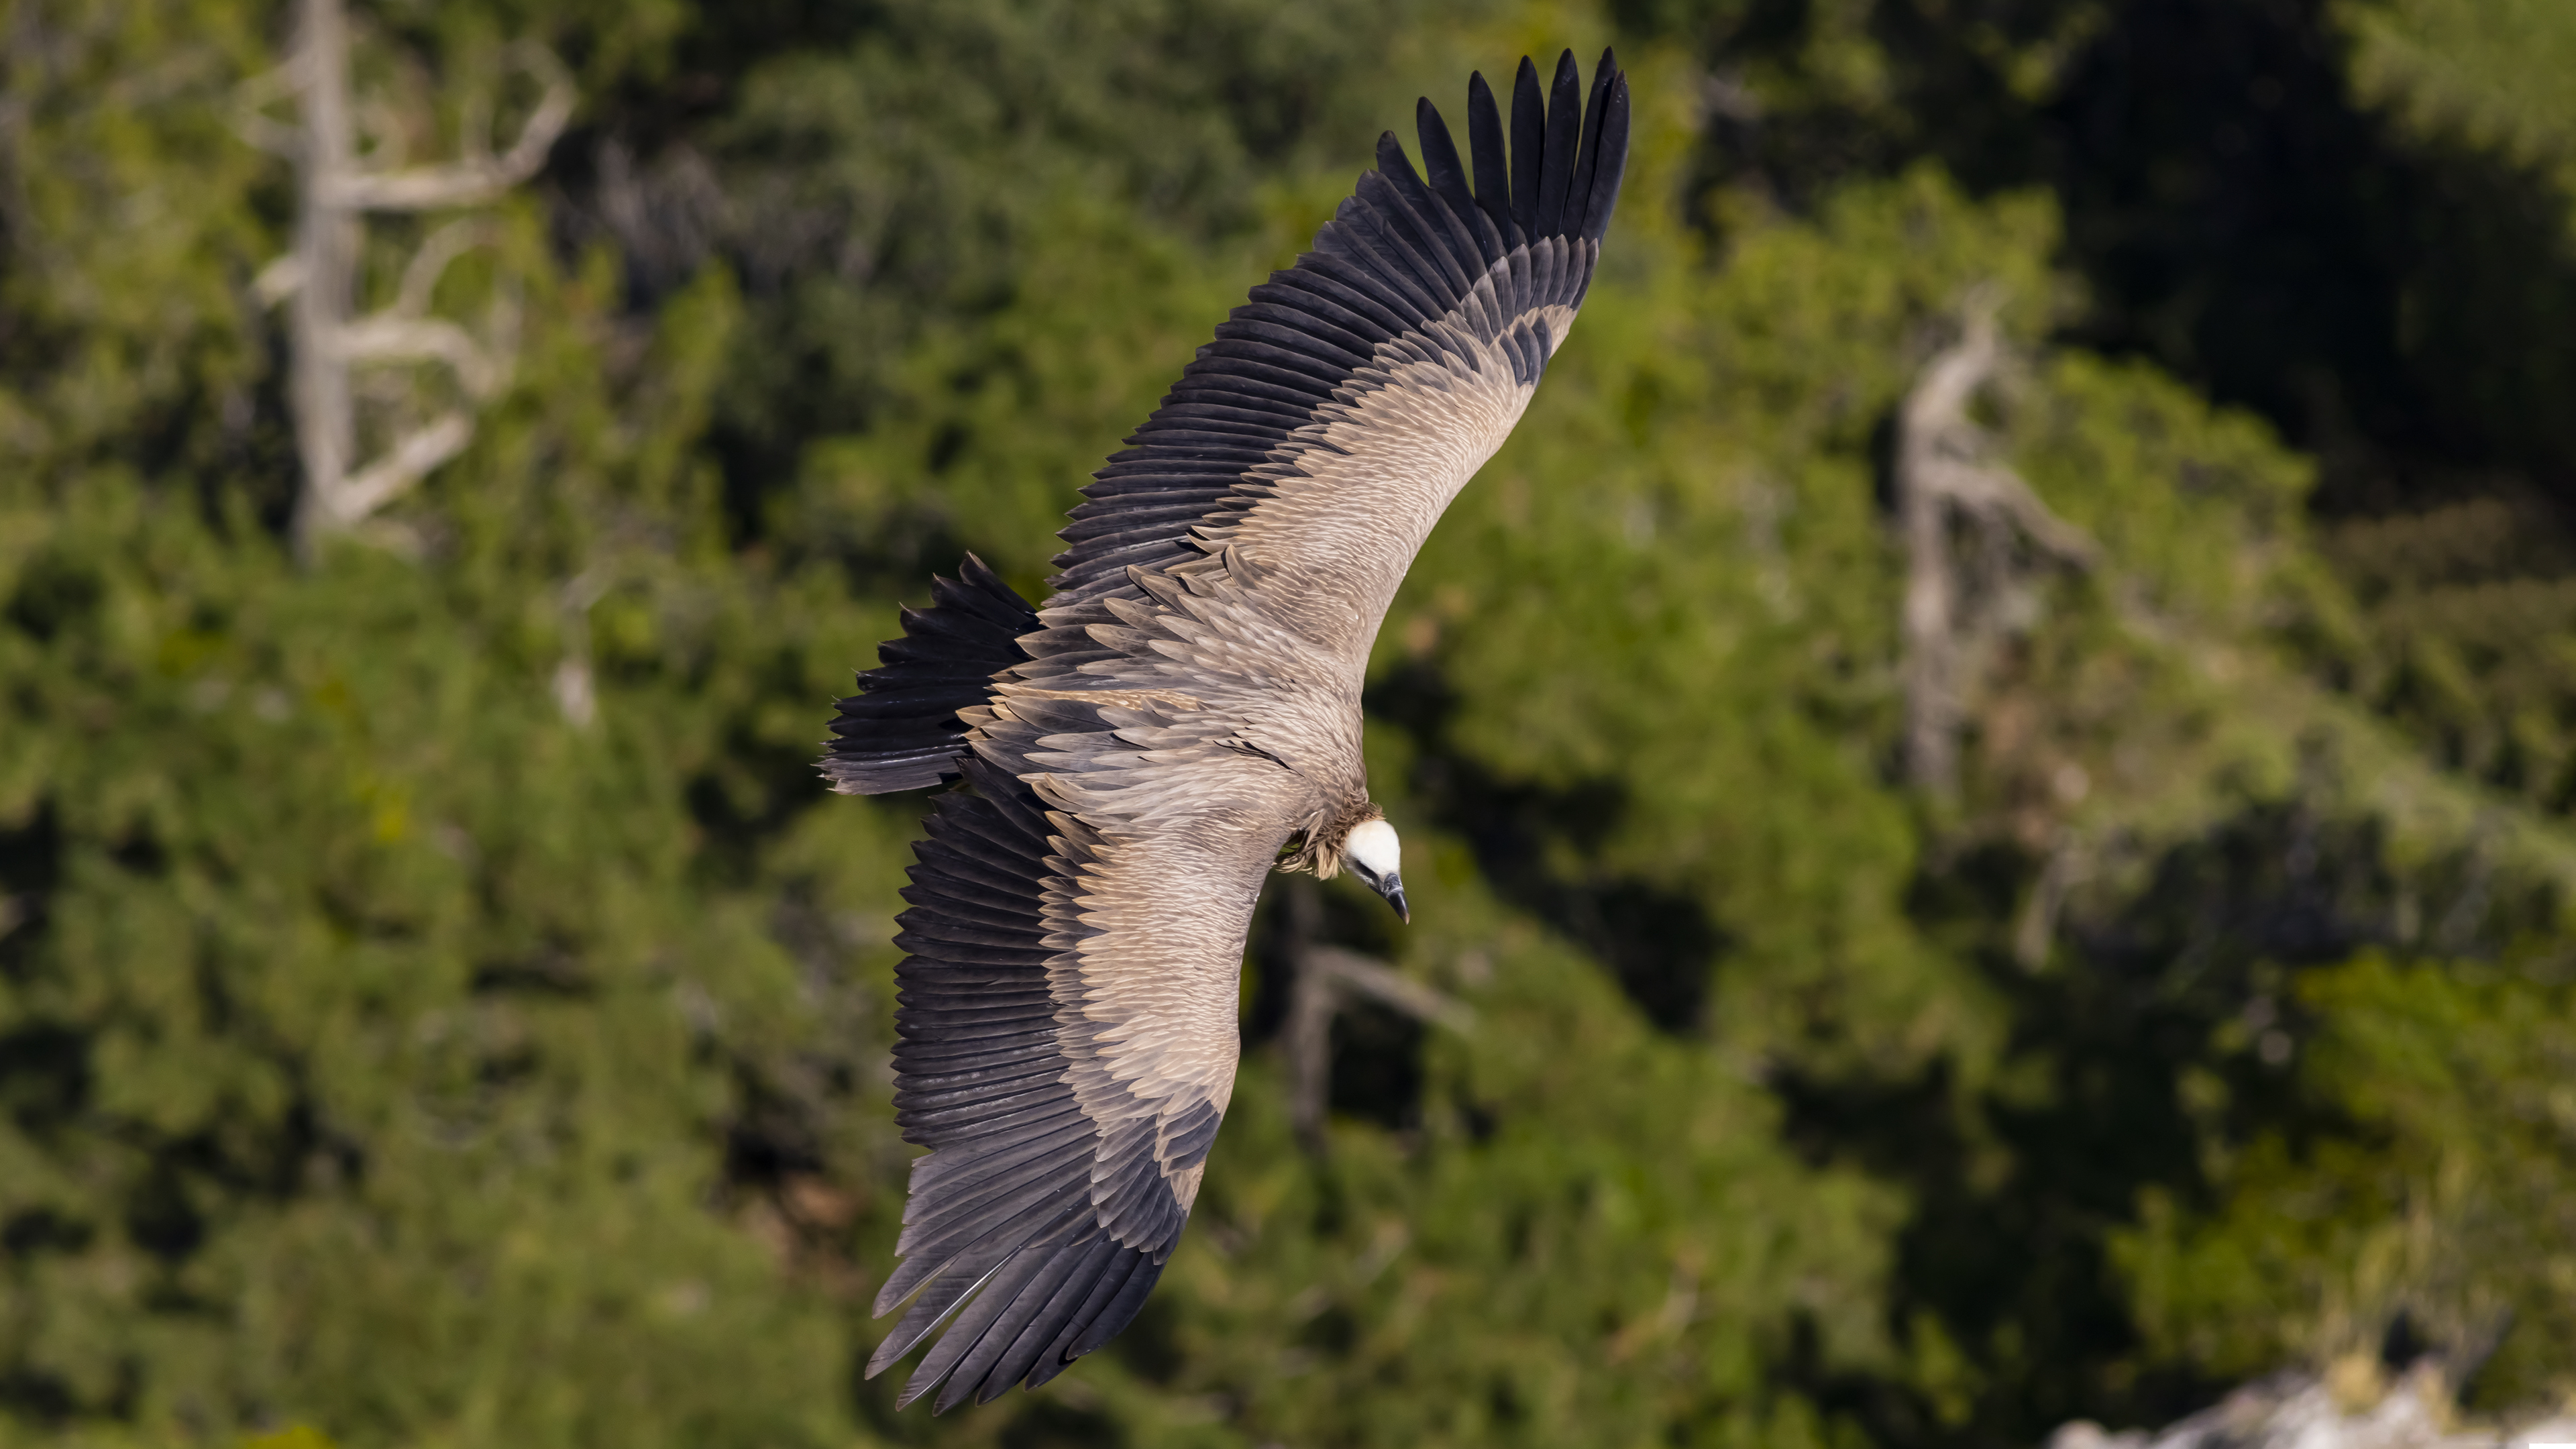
pixel 1529 142
pixel 1588 159
pixel 900 731
pixel 1610 165
pixel 1564 128
pixel 1440 164
pixel 1493 174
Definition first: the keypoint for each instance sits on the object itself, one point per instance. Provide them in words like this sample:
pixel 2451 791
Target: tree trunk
pixel 326 261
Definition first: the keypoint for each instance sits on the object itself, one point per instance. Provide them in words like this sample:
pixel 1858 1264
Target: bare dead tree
pixel 1328 979
pixel 1952 483
pixel 2035 926
pixel 335 188
pixel 576 692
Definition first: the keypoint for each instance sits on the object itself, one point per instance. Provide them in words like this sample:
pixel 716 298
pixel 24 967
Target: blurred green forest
pixel 439 1004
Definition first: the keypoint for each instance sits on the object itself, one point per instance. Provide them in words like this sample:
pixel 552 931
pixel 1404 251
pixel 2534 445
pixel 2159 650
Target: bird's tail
pixel 901 731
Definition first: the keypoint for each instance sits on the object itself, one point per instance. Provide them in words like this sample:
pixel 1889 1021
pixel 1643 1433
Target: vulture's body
pixel 1136 756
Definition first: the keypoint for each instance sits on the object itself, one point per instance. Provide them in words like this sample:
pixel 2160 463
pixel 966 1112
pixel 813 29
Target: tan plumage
pixel 1136 757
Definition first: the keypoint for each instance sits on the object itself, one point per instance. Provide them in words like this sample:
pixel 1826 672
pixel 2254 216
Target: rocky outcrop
pixel 2304 1411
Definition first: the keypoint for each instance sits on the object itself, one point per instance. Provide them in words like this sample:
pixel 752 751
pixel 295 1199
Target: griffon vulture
pixel 1182 717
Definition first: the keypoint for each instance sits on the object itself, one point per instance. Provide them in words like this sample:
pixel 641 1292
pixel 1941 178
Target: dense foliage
pixel 439 1005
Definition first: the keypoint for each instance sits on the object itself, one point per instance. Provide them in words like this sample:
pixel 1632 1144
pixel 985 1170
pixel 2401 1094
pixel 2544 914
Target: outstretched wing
pixel 1337 413
pixel 1067 1045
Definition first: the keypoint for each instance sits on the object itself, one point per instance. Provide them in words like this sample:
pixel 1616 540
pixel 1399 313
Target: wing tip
pixel 1102 1286
pixel 1404 248
pixel 1606 137
pixel 1559 174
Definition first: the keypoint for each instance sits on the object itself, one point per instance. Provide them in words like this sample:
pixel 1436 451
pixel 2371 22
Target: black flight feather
pixel 975 1373
pixel 1118 1312
pixel 1060 1352
pixel 1564 128
pixel 1493 173
pixel 901 731
pixel 1030 1346
pixel 1440 164
pixel 1529 148
pixel 1578 197
pixel 1613 162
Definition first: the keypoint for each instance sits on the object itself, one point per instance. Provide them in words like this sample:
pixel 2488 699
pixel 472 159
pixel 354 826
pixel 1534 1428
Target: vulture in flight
pixel 1181 718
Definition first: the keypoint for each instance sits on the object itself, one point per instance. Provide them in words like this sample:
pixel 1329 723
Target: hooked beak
pixel 1392 887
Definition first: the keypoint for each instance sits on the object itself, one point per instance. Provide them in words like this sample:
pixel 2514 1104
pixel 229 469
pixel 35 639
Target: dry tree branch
pixel 479 178
pixel 1948 473
pixel 252 98
pixel 334 191
pixel 410 459
pixel 1367 976
pixel 421 274
pixel 1328 979
pixel 279 280
pixel 2035 926
pixel 402 333
pixel 576 691
pixel 383 337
